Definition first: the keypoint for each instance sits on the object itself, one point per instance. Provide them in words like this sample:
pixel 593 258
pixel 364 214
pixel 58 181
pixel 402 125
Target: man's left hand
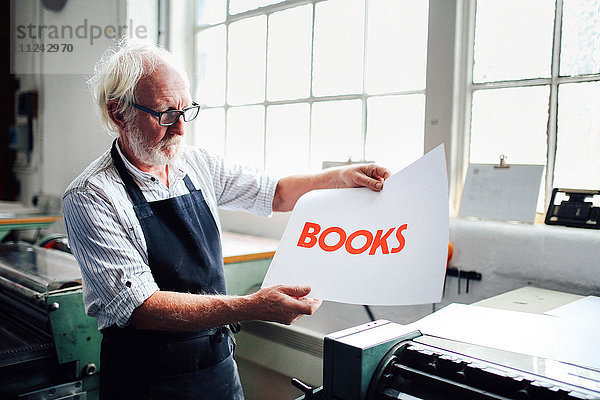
pixel 367 175
pixel 289 189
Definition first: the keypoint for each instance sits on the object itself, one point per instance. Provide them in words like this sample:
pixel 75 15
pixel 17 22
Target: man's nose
pixel 178 127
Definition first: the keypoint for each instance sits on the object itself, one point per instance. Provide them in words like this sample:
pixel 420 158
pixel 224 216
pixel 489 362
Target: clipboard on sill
pixel 501 191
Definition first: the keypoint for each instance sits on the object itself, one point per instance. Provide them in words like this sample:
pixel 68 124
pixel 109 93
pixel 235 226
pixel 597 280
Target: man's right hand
pixel 283 304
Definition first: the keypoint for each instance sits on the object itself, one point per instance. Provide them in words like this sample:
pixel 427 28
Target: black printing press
pixel 382 361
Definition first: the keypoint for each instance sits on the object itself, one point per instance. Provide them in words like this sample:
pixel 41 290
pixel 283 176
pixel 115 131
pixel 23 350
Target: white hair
pixel 118 72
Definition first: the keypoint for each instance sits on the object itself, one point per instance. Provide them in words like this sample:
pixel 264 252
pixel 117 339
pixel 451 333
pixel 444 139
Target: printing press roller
pixel 382 361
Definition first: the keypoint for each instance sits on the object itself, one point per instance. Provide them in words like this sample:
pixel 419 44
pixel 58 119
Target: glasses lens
pixel 169 117
pixel 190 113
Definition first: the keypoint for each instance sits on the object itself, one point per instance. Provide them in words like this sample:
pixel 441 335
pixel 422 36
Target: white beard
pixel 166 151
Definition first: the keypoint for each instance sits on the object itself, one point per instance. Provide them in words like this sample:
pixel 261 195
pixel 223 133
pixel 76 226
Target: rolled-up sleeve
pixel 242 188
pixel 116 277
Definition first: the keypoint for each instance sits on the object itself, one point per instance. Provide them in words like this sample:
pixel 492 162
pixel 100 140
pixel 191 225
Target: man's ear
pixel 115 115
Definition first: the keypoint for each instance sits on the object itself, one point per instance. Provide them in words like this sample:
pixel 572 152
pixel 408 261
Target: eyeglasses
pixel 169 117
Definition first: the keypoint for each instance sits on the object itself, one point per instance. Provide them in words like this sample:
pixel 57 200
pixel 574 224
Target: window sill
pixel 561 257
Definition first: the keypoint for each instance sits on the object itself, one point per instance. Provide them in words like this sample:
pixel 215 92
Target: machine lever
pixel 309 391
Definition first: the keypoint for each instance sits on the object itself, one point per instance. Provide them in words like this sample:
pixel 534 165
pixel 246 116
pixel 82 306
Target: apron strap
pixel 188 183
pixel 132 189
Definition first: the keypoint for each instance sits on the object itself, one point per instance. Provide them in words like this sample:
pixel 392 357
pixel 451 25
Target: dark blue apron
pixel 184 255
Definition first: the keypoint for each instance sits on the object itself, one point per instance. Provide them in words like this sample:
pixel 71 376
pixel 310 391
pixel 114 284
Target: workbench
pixel 247 259
pixel 15 216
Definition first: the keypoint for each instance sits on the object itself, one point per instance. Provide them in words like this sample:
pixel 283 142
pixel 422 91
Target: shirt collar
pixel 176 168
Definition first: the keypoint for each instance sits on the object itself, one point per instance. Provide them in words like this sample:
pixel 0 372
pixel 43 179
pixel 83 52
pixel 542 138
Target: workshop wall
pixel 67 133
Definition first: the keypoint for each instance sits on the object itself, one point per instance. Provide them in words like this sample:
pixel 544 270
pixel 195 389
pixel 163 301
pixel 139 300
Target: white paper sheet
pixel 584 311
pixel 408 267
pixel 533 334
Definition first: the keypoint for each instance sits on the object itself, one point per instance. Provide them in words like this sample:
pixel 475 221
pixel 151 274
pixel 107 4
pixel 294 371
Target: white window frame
pixel 448 90
pixel 311 99
pixel 464 88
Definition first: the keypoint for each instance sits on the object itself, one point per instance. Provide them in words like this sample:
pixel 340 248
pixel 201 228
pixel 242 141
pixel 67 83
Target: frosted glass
pixel 239 6
pixel 209 130
pixel 288 139
pixel 245 136
pixel 578 139
pixel 395 130
pixel 247 47
pixel 338 47
pixel 512 122
pixel 288 68
pixel 336 132
pixel 513 39
pixel 210 12
pixel 210 78
pixel 580 42
pixel 396 45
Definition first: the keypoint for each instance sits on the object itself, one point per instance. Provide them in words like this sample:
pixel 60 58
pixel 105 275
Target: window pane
pixel 210 79
pixel 210 11
pixel 396 45
pixel 338 52
pixel 580 42
pixel 578 140
pixel 245 135
pixel 209 130
pixel 247 46
pixel 239 6
pixel 288 69
pixel 511 122
pixel 395 127
pixel 336 132
pixel 513 39
pixel 287 138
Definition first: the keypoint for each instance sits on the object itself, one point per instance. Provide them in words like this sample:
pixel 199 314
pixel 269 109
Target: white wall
pixel 68 132
pixel 72 134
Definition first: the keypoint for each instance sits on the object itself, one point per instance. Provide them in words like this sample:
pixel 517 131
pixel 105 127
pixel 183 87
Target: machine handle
pixel 309 391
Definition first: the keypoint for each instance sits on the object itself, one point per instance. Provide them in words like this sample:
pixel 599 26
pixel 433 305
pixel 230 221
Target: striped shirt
pixel 106 237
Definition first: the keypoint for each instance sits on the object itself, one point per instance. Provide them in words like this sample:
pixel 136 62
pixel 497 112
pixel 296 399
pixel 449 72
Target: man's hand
pixel 370 175
pixel 283 304
pixel 289 189
pixel 172 311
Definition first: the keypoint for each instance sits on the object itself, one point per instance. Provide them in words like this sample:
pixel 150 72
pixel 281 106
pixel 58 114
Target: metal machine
pixel 49 347
pixel 381 360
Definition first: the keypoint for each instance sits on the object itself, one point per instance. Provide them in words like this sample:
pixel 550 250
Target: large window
pixel 287 85
pixel 535 89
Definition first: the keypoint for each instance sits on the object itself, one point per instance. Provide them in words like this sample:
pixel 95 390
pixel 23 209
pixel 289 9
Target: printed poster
pixel 363 247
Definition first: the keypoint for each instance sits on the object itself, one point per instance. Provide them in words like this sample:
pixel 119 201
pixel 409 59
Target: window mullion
pixel 553 106
pixel 462 101
pixel 363 127
pixel 226 105
pixel 512 84
pixel 312 67
pixel 268 17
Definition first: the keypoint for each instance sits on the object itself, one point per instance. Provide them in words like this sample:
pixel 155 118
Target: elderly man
pixel 143 224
